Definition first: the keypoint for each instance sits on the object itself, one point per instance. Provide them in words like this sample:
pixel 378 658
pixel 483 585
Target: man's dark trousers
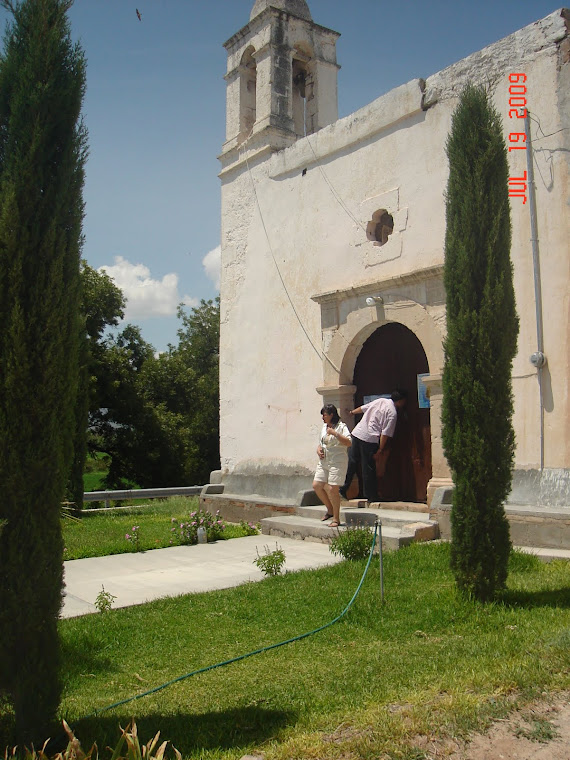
pixel 362 451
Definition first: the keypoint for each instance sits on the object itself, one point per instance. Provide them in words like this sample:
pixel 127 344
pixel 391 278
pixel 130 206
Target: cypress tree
pixel 482 328
pixel 42 154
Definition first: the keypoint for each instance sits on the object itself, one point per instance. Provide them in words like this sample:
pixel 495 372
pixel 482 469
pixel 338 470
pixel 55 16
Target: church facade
pixel 333 250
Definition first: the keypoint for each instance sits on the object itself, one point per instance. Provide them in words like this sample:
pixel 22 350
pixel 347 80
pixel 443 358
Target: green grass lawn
pixel 93 481
pixel 96 467
pixel 97 534
pixel 425 663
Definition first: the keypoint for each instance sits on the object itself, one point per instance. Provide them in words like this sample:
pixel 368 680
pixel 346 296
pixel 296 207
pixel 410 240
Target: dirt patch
pixel 540 731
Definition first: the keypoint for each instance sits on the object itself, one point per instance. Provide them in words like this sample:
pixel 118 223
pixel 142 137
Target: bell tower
pixel 281 79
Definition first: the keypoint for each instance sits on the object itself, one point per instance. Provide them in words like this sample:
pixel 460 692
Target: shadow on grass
pixel 83 656
pixel 558 598
pixel 241 727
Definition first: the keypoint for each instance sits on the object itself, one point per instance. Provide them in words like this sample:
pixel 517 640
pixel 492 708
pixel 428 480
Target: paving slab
pixel 544 553
pixel 140 577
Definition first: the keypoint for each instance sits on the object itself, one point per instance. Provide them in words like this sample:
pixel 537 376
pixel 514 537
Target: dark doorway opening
pixel 393 357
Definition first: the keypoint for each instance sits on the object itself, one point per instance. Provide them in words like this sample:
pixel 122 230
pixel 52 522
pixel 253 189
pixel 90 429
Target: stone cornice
pixel 261 20
pixel 376 286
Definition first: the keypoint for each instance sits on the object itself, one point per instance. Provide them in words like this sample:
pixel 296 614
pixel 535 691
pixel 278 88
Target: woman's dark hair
pixel 399 394
pixel 331 409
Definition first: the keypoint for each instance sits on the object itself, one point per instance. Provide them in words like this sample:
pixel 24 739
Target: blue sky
pixel 155 111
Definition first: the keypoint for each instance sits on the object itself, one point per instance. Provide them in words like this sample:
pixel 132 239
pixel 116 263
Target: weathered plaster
pixel 298 265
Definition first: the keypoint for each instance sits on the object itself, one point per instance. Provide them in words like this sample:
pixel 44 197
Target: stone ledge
pixel 529 526
pixel 545 555
pixel 253 507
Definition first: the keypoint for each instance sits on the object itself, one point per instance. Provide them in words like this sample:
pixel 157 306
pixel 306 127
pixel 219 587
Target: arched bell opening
pixel 303 102
pixel 248 93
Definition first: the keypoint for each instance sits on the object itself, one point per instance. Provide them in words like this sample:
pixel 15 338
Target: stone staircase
pixel 400 526
pixel 542 531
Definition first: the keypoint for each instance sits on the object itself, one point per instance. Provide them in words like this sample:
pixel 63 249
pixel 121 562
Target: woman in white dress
pixel 333 461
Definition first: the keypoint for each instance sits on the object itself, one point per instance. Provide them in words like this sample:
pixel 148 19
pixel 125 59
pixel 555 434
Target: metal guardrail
pixel 141 493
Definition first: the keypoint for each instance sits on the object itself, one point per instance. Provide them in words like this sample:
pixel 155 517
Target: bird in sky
pixel 138 14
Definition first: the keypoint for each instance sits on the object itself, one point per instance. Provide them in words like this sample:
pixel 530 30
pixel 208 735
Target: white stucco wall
pixel 293 227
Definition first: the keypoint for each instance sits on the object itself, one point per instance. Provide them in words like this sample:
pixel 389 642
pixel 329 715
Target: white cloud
pixel 212 263
pixel 146 297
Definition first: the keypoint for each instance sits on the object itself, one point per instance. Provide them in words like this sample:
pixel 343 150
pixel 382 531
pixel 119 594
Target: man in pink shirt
pixel 372 434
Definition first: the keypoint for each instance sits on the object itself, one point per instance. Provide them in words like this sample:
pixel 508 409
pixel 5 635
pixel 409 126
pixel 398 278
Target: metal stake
pixel 379 526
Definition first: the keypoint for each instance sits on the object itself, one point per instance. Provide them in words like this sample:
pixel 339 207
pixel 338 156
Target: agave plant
pixel 128 748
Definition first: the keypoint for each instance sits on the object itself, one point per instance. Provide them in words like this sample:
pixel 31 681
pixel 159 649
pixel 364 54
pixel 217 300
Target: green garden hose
pixel 242 656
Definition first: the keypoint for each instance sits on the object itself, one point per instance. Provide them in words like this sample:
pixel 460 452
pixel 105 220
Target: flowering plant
pixel 186 532
pixel 249 528
pixel 133 537
pixel 271 562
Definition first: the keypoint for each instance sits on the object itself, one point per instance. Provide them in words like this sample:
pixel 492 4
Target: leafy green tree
pixel 157 416
pixel 75 486
pixel 103 305
pixel 482 329
pixel 42 154
pixel 198 352
pixel 121 422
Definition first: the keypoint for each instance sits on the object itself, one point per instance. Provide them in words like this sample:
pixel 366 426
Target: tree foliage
pixel 103 304
pixel 157 416
pixel 482 329
pixel 102 307
pixel 42 154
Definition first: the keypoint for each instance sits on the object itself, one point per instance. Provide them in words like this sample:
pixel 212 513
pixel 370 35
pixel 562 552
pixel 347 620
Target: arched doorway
pixel 393 357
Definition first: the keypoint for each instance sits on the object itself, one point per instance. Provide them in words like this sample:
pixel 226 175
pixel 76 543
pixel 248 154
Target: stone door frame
pixel 417 301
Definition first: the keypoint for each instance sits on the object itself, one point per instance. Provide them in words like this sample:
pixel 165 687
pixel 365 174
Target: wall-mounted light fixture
pixel 374 300
pixel 538 359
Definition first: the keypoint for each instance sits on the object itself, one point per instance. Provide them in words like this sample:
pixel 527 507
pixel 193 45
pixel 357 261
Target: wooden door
pixel 393 357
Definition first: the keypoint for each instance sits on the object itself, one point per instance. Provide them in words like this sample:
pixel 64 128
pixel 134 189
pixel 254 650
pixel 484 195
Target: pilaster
pixel 342 396
pixel 441 474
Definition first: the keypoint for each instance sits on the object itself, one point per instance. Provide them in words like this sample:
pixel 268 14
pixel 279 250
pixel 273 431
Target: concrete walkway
pixel 143 576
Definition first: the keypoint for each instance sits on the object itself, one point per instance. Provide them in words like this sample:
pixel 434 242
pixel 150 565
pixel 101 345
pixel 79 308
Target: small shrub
pixel 104 600
pixel 352 543
pixel 186 533
pixel 270 563
pixel 249 528
pixel 133 537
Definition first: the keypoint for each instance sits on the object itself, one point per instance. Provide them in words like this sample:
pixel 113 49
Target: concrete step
pixel 353 515
pixel 545 554
pixel 400 506
pixel 313 529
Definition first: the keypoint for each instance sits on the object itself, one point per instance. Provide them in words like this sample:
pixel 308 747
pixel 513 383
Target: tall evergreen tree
pixel 482 328
pixel 42 154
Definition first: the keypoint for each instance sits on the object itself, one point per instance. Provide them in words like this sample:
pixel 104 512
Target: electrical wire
pixel 548 159
pixel 315 348
pixel 336 195
pixel 536 120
